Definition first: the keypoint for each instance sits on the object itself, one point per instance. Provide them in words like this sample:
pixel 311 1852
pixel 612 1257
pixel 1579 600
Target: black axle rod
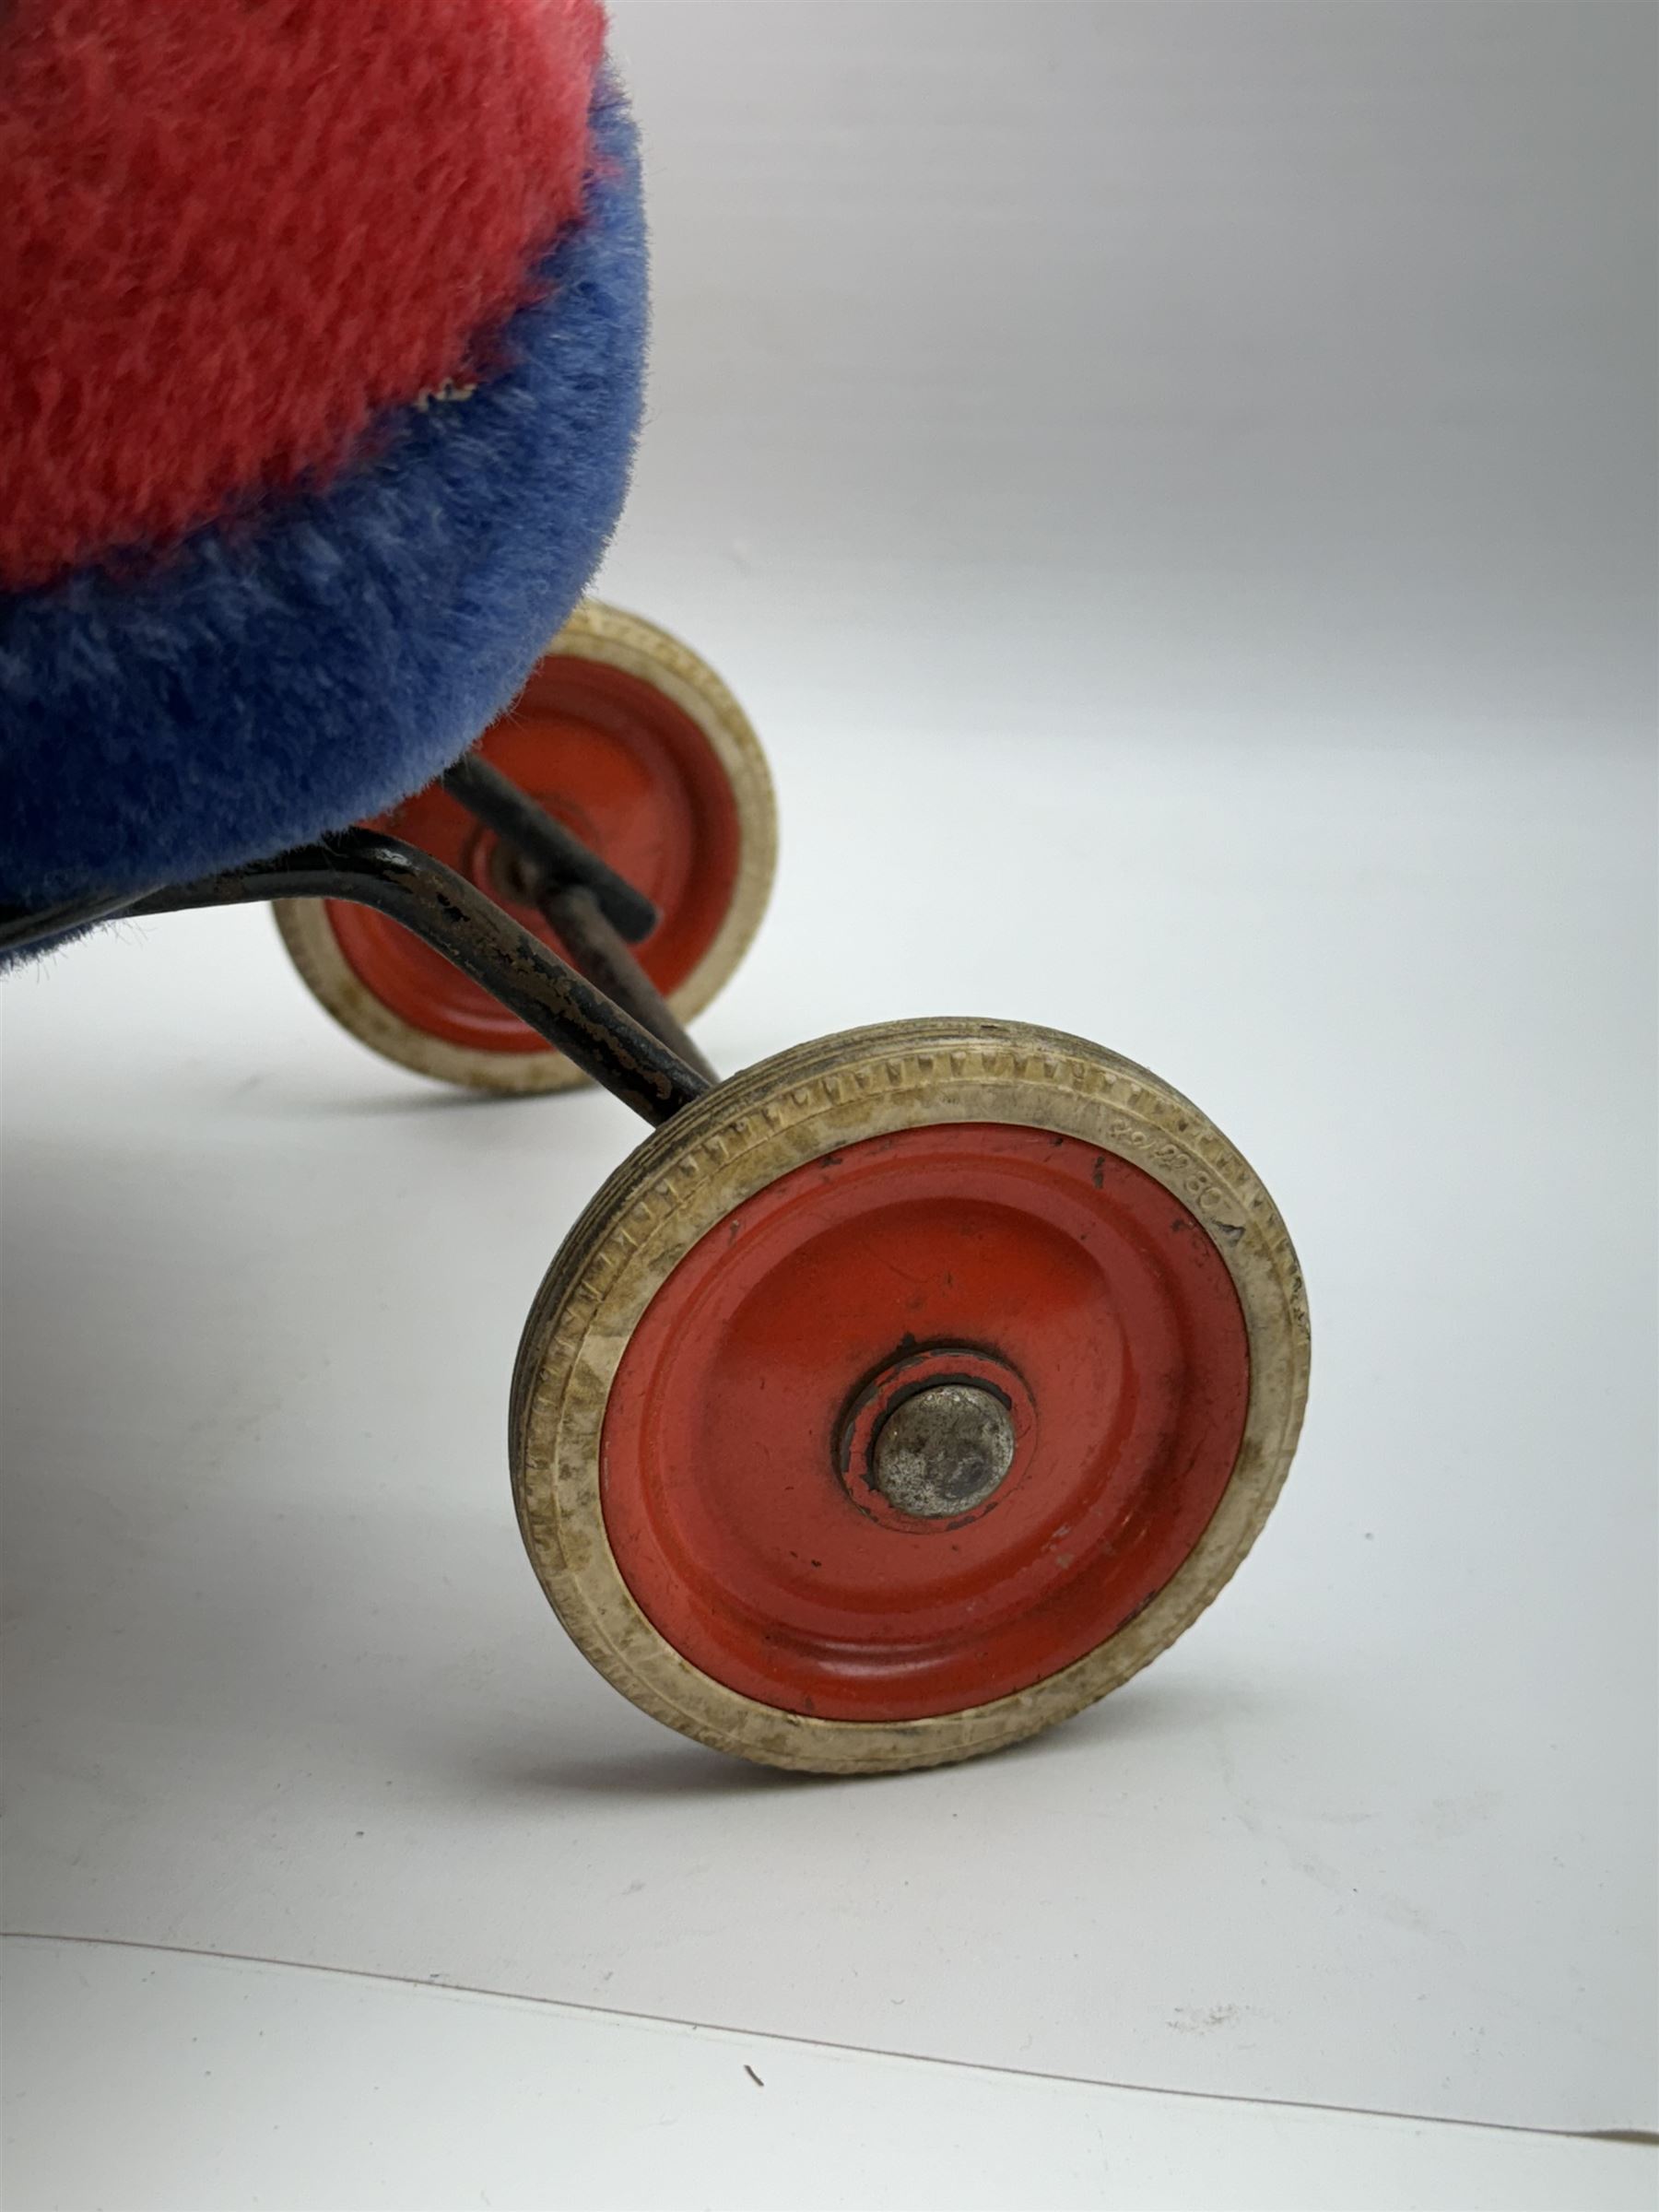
pixel 550 851
pixel 605 1014
pixel 369 869
pixel 590 908
pixel 601 955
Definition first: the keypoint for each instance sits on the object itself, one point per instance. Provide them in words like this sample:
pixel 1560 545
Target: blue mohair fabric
pixel 291 672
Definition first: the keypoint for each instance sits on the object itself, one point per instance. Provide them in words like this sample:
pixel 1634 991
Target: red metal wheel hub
pixel 632 775
pixel 1003 1266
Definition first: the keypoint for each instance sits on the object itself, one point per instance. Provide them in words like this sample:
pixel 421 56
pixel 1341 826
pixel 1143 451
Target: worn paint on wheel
pixel 1190 1499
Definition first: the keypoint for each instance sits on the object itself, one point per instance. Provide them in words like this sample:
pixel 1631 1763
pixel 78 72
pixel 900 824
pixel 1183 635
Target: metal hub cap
pixel 944 1451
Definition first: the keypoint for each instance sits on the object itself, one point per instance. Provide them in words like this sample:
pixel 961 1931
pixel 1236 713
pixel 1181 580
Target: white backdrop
pixel 1232 363
pixel 1174 487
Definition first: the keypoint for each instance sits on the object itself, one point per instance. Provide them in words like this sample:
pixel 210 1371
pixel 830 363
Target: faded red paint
pixel 634 776
pixel 723 1495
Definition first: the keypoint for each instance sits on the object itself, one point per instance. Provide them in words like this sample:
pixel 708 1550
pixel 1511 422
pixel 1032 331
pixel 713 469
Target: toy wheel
pixel 905 1394
pixel 633 743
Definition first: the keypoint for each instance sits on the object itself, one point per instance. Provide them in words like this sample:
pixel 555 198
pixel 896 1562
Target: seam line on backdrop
pixel 1642 2138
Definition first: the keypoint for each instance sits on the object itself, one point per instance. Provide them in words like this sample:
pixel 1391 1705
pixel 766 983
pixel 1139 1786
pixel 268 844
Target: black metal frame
pixel 604 1013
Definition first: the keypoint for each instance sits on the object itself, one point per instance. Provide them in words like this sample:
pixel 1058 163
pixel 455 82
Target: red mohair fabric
pixel 232 230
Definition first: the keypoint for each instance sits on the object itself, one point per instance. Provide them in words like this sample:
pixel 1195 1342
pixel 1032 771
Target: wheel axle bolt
pixel 944 1451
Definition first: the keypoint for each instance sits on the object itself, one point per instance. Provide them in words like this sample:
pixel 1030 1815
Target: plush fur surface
pixel 237 230
pixel 309 663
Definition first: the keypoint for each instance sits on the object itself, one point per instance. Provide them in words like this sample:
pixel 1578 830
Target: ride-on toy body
pixel 899 1396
